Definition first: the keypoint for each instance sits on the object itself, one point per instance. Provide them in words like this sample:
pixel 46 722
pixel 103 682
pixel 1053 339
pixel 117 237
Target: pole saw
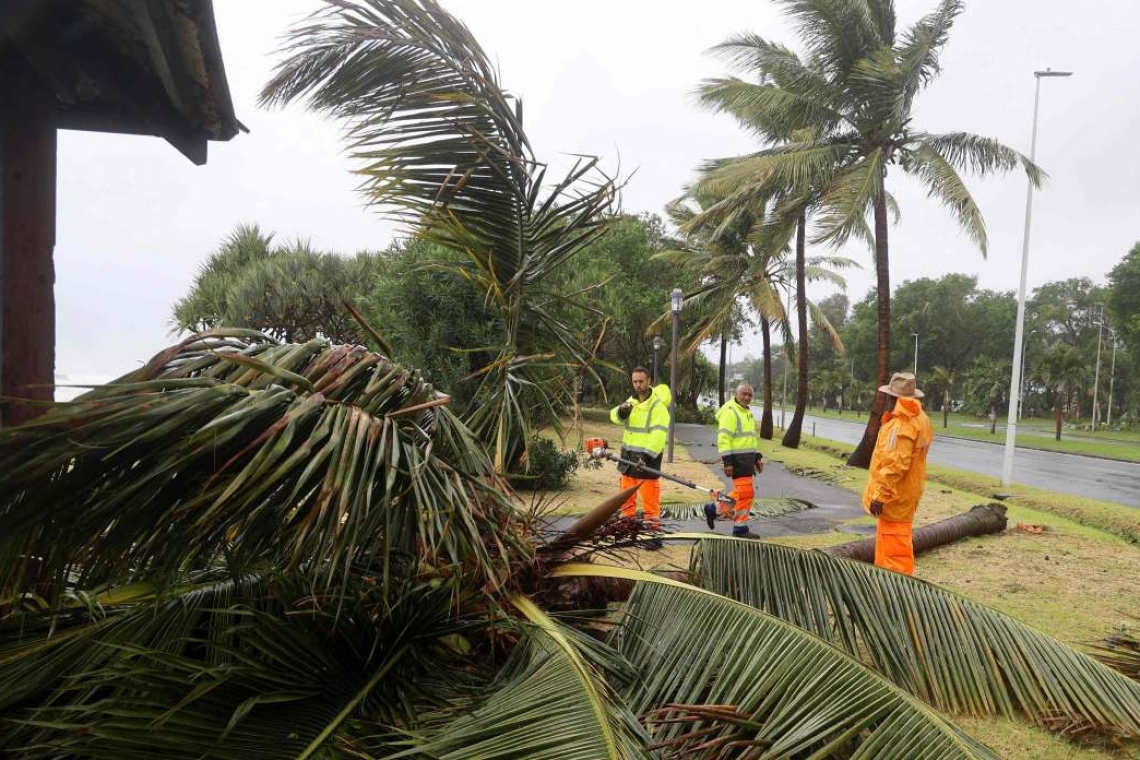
pixel 599 448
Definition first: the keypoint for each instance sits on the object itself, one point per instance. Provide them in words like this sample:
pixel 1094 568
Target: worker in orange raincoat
pixel 898 473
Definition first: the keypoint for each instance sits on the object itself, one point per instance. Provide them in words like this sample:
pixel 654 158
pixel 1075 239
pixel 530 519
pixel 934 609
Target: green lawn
pixel 1033 433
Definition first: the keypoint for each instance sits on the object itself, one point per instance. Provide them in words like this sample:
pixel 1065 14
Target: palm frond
pixel 944 183
pixel 956 654
pixel 552 703
pixel 980 155
pixel 761 508
pixel 231 445
pixel 845 201
pixel 794 694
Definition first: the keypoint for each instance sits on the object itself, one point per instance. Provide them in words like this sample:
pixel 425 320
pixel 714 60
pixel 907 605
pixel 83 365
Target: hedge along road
pixel 1091 477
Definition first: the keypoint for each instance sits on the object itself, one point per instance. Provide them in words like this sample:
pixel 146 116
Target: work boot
pixel 741 531
pixel 710 514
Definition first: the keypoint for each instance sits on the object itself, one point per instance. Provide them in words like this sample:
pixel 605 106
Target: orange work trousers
pixel 894 549
pixel 650 499
pixel 743 493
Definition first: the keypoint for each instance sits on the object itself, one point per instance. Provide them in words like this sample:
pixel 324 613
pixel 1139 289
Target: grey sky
pixel 615 78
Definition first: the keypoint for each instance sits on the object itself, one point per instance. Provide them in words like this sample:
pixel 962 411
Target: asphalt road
pixel 1091 477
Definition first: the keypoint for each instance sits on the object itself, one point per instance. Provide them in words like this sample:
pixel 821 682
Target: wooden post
pixel 27 240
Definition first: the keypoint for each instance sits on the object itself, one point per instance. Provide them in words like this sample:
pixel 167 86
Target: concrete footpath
pixel 833 504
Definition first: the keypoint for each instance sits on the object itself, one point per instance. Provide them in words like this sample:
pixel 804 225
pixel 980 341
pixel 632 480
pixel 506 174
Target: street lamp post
pixel 915 354
pixel 1019 330
pixel 675 299
pixel 656 354
pixel 1099 312
pixel 1111 376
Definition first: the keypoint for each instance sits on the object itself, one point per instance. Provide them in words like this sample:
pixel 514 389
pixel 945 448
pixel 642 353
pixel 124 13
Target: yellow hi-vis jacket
pixel 646 429
pixel 898 466
pixel 736 439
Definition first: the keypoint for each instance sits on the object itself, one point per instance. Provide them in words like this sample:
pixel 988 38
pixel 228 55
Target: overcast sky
pixel 615 78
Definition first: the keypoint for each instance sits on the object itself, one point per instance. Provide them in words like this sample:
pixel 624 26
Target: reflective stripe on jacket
pixel 736 439
pixel 898 466
pixel 646 429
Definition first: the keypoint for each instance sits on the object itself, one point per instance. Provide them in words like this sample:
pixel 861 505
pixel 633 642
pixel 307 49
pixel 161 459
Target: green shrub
pixel 546 467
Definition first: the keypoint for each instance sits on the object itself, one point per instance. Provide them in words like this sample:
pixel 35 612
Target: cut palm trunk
pixel 981 520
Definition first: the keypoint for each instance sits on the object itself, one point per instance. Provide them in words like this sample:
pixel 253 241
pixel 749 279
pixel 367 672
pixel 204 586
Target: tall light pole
pixel 915 354
pixel 1099 312
pixel 675 299
pixel 1111 376
pixel 1019 330
pixel 656 353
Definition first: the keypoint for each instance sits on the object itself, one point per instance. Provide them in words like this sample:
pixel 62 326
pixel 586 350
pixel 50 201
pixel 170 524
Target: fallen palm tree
pixel 981 520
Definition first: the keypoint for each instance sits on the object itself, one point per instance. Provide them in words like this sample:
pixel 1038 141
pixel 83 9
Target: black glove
pixel 624 411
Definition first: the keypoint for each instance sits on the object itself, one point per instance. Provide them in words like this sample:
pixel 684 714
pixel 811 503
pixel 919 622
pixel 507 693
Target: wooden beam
pixel 27 240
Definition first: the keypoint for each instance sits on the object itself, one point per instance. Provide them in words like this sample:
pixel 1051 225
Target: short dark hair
pixel 642 370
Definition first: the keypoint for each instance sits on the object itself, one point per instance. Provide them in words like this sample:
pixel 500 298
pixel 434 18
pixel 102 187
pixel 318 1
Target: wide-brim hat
pixel 901 386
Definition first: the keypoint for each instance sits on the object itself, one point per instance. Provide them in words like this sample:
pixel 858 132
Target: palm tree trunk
pixel 766 416
pixel 721 369
pixel 861 456
pixel 993 418
pixel 981 520
pixel 792 434
pixel 1057 416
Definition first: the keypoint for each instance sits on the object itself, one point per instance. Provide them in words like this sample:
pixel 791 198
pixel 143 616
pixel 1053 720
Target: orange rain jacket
pixel 898 466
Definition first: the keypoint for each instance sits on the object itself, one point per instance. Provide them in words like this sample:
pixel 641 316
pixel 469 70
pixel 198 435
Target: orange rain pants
pixel 894 549
pixel 650 499
pixel 743 492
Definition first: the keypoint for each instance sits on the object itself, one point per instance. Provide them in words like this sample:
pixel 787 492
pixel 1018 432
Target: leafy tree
pixel 856 87
pixel 443 150
pixel 986 382
pixel 290 291
pixel 942 382
pixel 1123 298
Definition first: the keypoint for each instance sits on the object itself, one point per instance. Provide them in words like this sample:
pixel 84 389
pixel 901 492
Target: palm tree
pixel 1063 370
pixel 442 150
pixel 856 87
pixel 248 549
pixel 986 382
pixel 739 259
pixel 943 379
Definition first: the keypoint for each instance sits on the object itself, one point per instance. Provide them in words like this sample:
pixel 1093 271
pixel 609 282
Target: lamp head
pixel 676 298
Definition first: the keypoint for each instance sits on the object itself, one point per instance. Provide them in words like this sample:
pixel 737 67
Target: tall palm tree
pixel 856 85
pixel 739 259
pixel 442 150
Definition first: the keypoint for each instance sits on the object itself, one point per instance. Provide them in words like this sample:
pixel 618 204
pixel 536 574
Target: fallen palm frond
pixel 761 508
pixel 956 654
pixel 232 445
pixel 550 702
pixel 798 696
pixel 1121 651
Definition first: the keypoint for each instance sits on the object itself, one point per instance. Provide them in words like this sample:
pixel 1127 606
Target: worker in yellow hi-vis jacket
pixel 644 416
pixel 738 445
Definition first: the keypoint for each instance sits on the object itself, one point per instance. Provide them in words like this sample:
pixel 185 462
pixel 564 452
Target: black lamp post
pixel 675 299
pixel 656 354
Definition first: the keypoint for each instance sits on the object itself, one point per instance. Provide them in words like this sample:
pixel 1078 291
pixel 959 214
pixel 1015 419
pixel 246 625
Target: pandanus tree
pixel 853 89
pixel 253 549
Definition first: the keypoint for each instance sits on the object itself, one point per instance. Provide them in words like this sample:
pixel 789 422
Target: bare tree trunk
pixel 792 434
pixel 1057 416
pixel 861 456
pixel 721 369
pixel 979 521
pixel 766 416
pixel 993 418
pixel 945 415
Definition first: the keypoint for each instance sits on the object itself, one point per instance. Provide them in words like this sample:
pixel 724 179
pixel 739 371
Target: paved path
pixel 833 505
pixel 1105 479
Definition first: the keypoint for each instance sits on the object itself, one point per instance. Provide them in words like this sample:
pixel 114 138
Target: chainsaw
pixel 599 448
